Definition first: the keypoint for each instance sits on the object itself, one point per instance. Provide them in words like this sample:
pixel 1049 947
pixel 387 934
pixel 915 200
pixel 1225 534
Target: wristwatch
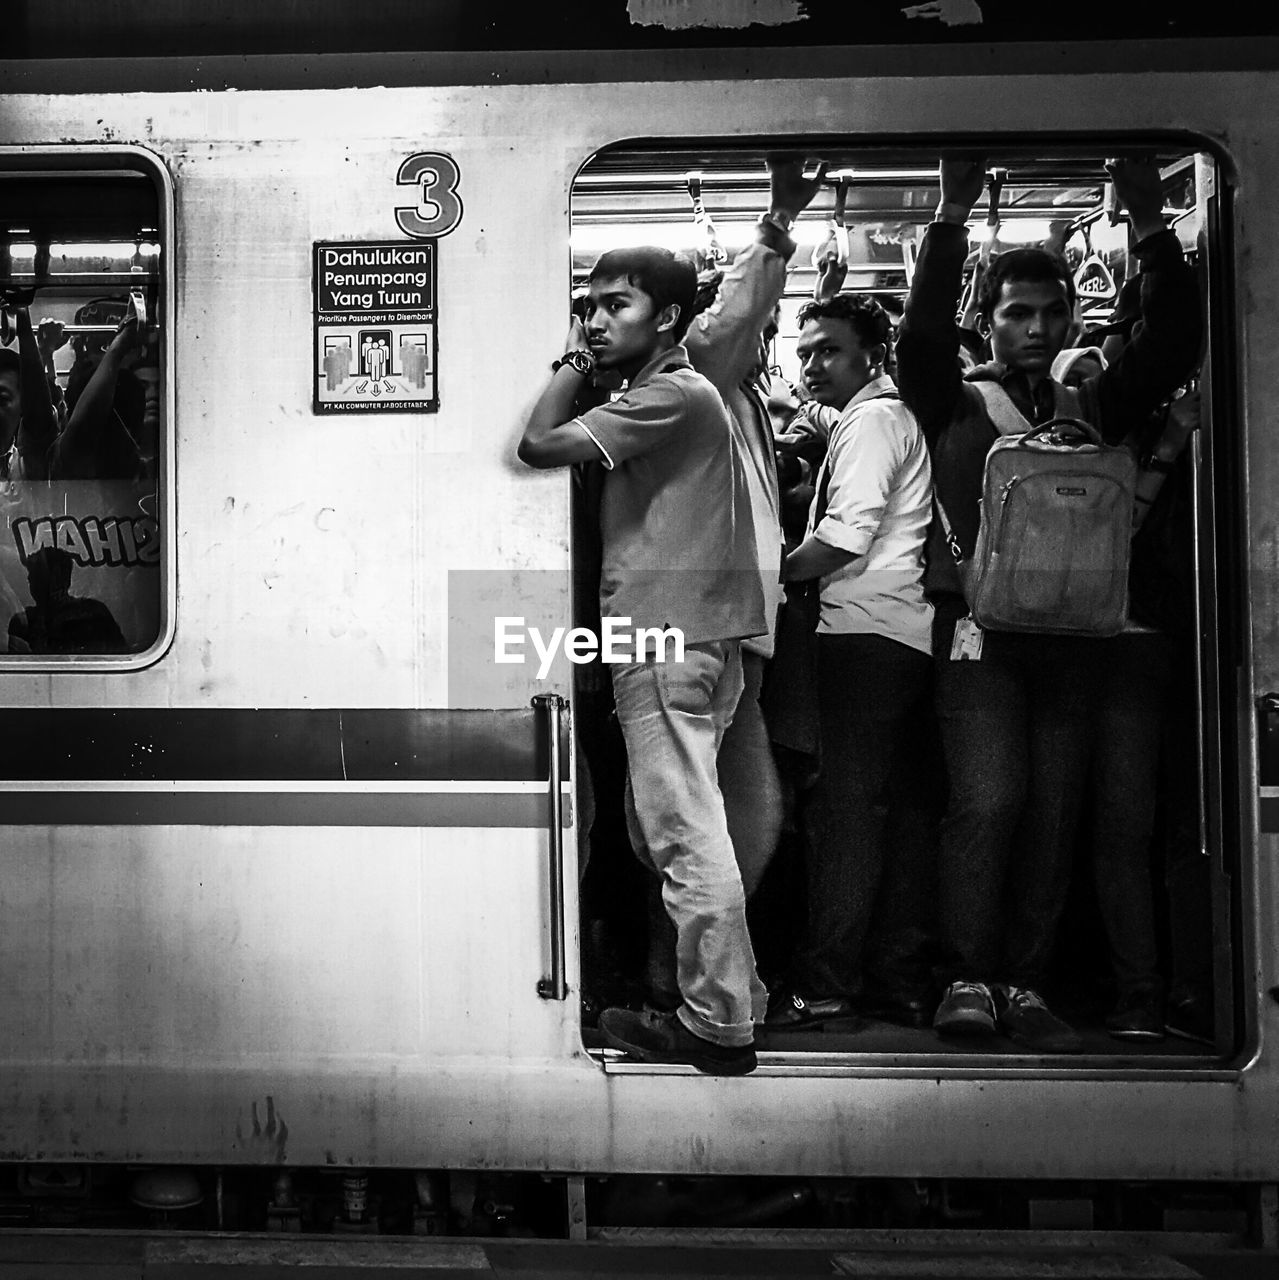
pixel 580 360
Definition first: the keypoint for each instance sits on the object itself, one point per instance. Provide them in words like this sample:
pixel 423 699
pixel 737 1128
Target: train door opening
pixel 1181 897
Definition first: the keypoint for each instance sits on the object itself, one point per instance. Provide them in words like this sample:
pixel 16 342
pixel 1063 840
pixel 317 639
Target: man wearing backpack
pixel 1013 706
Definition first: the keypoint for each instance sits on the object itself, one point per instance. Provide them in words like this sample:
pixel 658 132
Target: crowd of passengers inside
pixel 911 787
pixel 98 421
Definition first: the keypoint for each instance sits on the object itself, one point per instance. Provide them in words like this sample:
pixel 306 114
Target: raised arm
pixel 39 425
pixel 928 373
pixel 551 437
pixel 93 430
pixel 723 342
pixel 1167 340
pixel 830 279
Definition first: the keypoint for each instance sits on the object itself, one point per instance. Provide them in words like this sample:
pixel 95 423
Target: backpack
pixel 1054 540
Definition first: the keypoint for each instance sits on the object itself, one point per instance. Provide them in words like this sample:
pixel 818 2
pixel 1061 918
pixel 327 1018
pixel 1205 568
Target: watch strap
pixel 580 359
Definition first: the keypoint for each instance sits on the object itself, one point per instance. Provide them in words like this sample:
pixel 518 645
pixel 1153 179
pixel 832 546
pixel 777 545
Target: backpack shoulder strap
pixel 823 486
pixel 1007 418
pixel 1066 401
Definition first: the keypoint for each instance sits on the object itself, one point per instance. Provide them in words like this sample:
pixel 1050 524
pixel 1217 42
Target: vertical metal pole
pixel 556 986
pixel 1197 547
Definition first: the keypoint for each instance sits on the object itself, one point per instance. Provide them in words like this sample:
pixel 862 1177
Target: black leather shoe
pixel 662 1037
pixel 1139 1015
pixel 1027 1020
pixel 789 1011
pixel 902 1008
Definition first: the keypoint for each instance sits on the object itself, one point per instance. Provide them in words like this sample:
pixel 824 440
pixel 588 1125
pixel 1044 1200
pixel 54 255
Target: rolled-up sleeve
pixel 863 460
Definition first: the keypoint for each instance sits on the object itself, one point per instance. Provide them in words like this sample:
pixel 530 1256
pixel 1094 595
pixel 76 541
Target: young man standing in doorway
pixel 678 554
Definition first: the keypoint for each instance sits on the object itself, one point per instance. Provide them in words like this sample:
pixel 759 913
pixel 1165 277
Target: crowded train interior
pixel 870 214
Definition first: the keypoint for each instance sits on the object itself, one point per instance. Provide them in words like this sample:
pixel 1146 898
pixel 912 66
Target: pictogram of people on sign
pixel 389 364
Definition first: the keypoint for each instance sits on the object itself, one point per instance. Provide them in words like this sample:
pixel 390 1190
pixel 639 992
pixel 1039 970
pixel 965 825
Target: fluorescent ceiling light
pixel 599 237
pixel 744 177
pixel 115 249
pixel 808 233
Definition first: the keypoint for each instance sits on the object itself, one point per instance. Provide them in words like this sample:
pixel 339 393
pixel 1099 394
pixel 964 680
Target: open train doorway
pixel 1151 898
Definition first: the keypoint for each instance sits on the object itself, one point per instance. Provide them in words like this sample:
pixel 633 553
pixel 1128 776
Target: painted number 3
pixel 439 207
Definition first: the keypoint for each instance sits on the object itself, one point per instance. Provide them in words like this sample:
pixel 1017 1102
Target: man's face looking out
pixel 1029 324
pixel 623 324
pixel 833 361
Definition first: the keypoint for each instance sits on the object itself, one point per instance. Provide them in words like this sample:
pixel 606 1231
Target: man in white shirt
pixel 865 542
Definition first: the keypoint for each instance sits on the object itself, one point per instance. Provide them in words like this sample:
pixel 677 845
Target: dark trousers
pixel 900 952
pixel 870 690
pixel 1135 676
pixel 1015 734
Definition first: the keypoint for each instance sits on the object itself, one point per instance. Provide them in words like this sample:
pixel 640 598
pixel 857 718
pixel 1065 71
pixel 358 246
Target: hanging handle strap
pixel 713 251
pixel 995 188
pixel 834 248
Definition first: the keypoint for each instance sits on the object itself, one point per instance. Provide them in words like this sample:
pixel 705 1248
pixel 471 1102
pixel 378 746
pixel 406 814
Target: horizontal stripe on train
pixel 240 744
pixel 339 807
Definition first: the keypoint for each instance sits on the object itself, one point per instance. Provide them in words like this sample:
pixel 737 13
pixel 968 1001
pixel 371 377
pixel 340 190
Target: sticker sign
pixel 375 326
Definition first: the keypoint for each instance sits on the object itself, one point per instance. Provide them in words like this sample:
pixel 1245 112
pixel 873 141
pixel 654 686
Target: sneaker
pixel 1027 1020
pixel 789 1011
pixel 966 1009
pixel 662 1037
pixel 1139 1015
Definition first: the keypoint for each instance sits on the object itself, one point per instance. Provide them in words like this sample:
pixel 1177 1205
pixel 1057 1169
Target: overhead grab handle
pixel 712 250
pixel 834 248
pixel 995 188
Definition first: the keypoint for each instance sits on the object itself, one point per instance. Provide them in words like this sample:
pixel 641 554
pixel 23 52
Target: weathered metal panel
pixel 378 985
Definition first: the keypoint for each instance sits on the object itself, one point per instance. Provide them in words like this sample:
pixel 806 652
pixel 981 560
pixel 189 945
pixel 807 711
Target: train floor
pixel 887 1040
pixel 51 1255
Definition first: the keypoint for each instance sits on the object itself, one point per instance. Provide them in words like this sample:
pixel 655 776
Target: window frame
pixel 34 162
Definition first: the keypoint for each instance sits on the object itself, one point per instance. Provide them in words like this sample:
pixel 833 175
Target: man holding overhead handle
pixel 1014 707
pixel 678 553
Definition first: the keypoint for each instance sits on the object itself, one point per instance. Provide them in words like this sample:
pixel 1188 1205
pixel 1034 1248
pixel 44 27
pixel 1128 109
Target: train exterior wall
pixel 377 983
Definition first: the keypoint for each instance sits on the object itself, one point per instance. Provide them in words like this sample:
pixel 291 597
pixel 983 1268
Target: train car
pixel 291 871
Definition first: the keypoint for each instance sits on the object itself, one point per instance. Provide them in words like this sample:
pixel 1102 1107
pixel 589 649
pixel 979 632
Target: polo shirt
pixel 675 517
pixel 879 507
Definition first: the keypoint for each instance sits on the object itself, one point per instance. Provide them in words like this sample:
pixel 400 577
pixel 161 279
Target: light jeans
pixel 748 780
pixel 673 716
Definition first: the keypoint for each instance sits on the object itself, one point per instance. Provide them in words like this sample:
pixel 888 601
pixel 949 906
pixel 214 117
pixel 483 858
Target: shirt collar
pixel 1039 400
pixel 675 357
pixel 875 387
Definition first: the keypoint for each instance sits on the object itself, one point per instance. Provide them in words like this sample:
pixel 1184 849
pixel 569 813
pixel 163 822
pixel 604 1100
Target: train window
pixel 1135 953
pixel 85 446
